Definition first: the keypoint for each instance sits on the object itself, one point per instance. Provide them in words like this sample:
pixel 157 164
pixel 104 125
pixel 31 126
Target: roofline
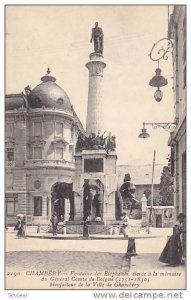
pixel 140 184
pixel 22 95
pixel 15 95
pixel 78 120
pixel 138 165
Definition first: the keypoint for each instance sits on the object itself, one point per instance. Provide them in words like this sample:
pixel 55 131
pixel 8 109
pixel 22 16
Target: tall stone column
pixel 95 115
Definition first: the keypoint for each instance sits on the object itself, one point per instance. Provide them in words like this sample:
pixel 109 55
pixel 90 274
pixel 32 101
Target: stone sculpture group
pixel 96 142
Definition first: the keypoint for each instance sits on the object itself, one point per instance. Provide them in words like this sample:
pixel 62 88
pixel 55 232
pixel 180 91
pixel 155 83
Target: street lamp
pixel 160 50
pixel 144 134
pixel 166 126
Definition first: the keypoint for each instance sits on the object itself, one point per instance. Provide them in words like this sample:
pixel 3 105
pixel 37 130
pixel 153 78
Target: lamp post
pixel 152 189
pixel 166 126
pixel 160 50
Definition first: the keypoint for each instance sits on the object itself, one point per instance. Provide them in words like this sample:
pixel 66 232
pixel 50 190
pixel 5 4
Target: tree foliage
pixel 166 187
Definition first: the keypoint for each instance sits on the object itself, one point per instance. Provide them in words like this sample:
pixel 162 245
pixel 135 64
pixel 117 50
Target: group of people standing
pixel 21 225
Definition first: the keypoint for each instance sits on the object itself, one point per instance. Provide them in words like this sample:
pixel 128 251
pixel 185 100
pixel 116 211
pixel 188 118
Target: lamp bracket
pixel 161 49
pixel 166 126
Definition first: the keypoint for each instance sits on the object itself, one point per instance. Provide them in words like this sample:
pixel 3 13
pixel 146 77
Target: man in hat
pixel 132 198
pixel 124 189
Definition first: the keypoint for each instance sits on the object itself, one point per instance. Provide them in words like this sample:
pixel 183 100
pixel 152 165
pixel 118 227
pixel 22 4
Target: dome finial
pixel 48 77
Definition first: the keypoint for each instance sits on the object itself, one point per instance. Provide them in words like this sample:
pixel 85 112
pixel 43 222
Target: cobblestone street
pixel 36 254
pixel 39 254
pixel 80 254
pixel 67 261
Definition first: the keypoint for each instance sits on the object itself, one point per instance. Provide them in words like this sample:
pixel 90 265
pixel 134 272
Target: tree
pixel 166 187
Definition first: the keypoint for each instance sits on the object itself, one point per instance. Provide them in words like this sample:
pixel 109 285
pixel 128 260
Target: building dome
pixel 48 94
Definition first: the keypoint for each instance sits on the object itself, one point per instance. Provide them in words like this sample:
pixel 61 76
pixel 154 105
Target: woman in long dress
pixel 172 252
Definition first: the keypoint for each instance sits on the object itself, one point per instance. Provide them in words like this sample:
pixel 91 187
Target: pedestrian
pixel 18 227
pixel 172 252
pixel 54 221
pixel 23 225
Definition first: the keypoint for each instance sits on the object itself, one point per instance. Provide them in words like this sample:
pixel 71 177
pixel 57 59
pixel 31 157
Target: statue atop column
pixel 97 37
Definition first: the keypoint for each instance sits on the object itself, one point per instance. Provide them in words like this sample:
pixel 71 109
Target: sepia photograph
pixel 95 147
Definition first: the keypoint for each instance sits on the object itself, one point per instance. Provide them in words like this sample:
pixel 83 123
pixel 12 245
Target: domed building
pixel 41 133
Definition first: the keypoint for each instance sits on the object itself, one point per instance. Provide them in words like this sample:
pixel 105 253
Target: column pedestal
pixel 106 178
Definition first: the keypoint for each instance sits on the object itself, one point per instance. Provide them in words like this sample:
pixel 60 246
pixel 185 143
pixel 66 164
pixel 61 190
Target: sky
pixel 58 37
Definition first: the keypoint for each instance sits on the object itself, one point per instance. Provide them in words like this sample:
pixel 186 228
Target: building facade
pixel 41 133
pixel 177 141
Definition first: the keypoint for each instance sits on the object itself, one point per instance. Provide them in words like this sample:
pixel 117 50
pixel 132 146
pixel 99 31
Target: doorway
pixel 62 196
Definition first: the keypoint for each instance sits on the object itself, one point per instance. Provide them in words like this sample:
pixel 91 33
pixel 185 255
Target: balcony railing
pixel 10 163
pixel 48 163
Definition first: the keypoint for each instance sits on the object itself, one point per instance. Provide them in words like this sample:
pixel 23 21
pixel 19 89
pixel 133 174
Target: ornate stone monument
pixel 95 181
